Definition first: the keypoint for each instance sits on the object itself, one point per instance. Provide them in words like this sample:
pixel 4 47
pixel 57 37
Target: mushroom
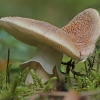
pixel 77 40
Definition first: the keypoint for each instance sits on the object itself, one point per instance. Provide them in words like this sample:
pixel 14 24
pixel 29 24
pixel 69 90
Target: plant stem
pixel 7 69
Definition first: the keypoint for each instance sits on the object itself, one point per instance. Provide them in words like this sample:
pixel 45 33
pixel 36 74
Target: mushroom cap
pixel 32 32
pixel 77 39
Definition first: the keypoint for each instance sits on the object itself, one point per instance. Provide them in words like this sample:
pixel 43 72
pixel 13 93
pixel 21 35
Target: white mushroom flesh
pixel 48 58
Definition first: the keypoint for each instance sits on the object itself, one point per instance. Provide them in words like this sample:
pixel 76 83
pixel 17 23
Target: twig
pixel 77 73
pixel 98 63
pixel 86 68
pixel 7 69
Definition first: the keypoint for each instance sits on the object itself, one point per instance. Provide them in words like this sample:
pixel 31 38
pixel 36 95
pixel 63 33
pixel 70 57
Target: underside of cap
pixel 32 32
pixel 84 31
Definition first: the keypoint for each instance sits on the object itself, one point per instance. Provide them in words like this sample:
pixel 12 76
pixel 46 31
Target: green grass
pixel 84 77
pixel 16 89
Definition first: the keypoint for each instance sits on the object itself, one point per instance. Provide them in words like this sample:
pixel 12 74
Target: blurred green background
pixel 57 12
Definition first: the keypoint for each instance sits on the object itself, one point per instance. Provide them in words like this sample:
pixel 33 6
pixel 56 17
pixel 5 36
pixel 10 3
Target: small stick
pixel 86 68
pixel 98 63
pixel 7 69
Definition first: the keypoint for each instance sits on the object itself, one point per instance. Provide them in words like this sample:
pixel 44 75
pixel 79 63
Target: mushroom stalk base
pixel 46 63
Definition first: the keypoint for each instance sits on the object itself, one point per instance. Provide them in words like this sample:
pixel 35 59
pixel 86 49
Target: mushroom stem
pixel 40 72
pixel 43 63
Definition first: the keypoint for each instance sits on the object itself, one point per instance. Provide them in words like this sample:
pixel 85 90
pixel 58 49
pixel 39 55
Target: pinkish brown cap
pixel 77 39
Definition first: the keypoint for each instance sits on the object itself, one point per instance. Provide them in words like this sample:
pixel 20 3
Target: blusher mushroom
pixel 47 38
pixel 77 40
